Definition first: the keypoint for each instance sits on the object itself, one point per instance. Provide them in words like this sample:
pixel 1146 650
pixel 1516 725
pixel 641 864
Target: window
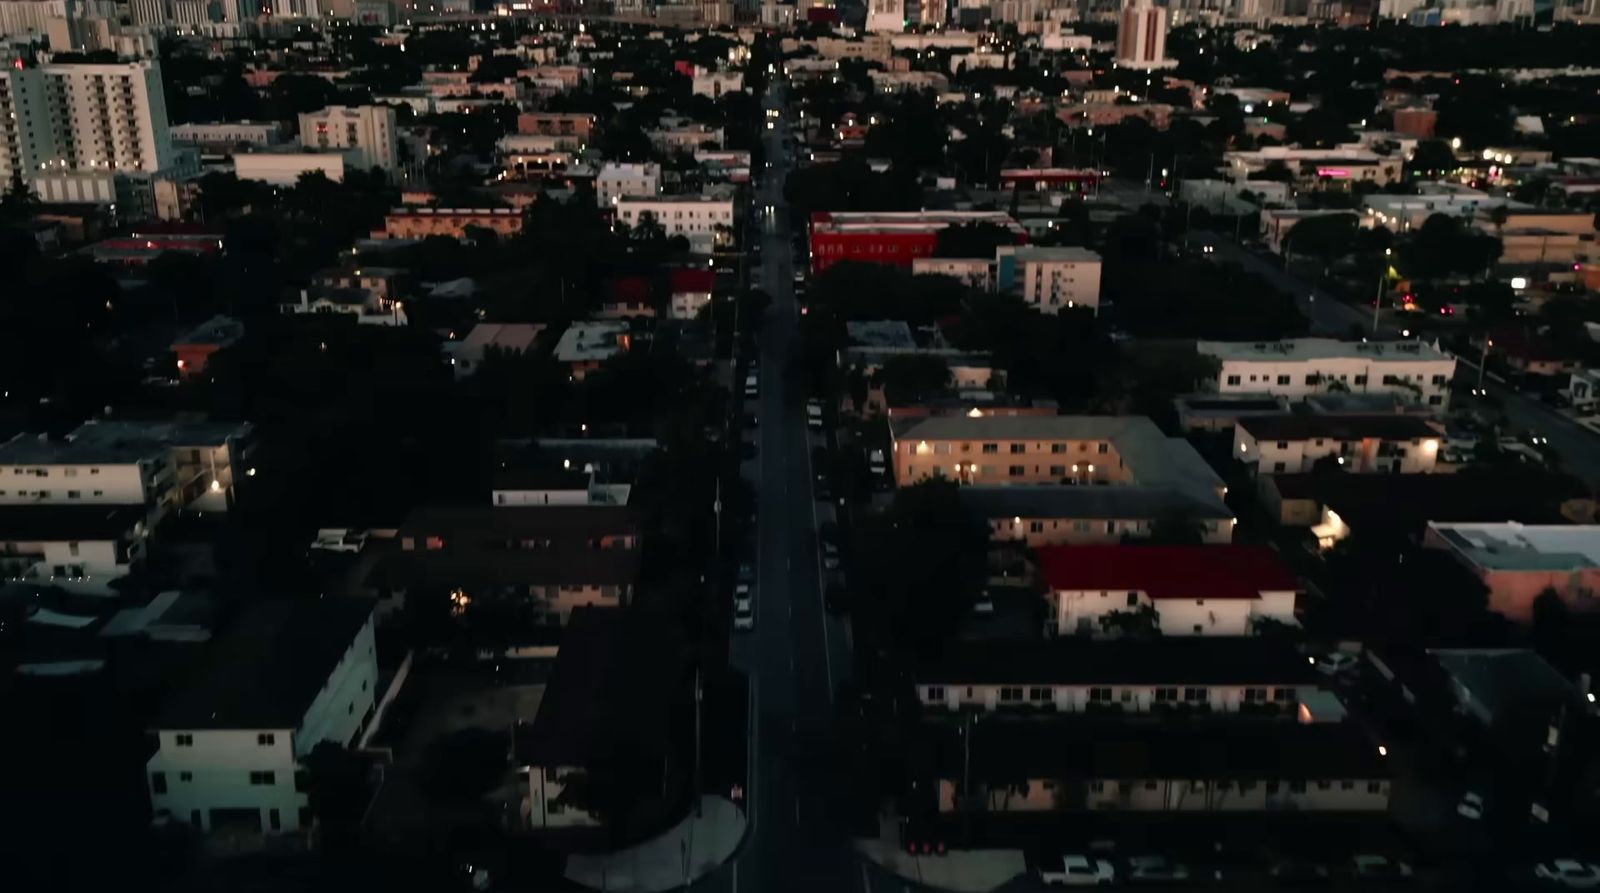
pixel 1280 467
pixel 1097 787
pixel 1297 787
pixel 158 782
pixel 1233 379
pixel 1283 444
pixel 266 739
pixel 72 549
pixel 1283 694
pixel 1360 380
pixel 1272 787
pixel 1009 693
pixel 183 740
pixel 989 448
pixel 1255 695
pixel 1374 787
pixel 1038 694
pixel 1166 695
pixel 1058 448
pixel 1324 785
pixel 1036 527
pixel 1438 380
pixel 74 494
pixel 1347 785
pixel 935 692
pixel 1103 448
pixel 1283 379
pixel 262 778
pixel 1016 471
pixel 1194 694
pixel 1435 400
pixel 1099 695
pixel 1313 378
pixel 1018 449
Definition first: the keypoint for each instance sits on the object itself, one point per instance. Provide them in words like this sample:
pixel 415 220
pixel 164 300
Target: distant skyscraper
pixel 1142 36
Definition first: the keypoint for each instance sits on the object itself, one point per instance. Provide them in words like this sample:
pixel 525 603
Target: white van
pixel 752 386
pixel 814 414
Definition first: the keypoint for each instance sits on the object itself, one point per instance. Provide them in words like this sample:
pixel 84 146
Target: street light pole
pixel 1483 360
pixel 1377 300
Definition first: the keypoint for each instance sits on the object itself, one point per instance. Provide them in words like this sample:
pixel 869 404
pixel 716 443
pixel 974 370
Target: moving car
pixel 814 414
pixel 1470 806
pixel 1376 867
pixel 1077 871
pixel 1569 873
pixel 1335 663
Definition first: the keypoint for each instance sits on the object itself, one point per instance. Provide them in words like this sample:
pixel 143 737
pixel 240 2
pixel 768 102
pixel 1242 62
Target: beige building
pixel 367 131
pixel 1289 443
pixel 419 223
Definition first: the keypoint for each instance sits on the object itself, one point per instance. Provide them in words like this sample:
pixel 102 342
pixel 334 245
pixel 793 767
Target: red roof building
pixel 1188 590
pixel 895 238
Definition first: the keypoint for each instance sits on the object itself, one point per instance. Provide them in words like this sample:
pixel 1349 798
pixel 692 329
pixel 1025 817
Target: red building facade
pixel 893 238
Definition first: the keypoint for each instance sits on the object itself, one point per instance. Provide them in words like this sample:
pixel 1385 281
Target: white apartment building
pixel 886 16
pixel 61 119
pixel 367 131
pixel 1361 444
pixel 368 308
pixel 705 221
pixel 285 168
pixel 35 472
pixel 232 744
pixel 79 548
pixel 617 179
pixel 1210 590
pixel 1056 279
pixel 716 84
pixel 1142 36
pixel 1303 367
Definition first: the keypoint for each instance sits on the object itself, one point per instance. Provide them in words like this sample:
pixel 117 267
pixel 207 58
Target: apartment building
pixel 706 221
pixel 575 128
pixel 284 168
pixel 1142 36
pixel 1297 368
pixel 1191 590
pixel 420 223
pixel 1518 562
pixel 690 292
pixel 557 557
pixel 1113 451
pixel 1360 444
pixel 228 135
pixel 1015 769
pixel 367 132
pixel 977 272
pixel 618 179
pixel 1336 168
pixel 1052 279
pixel 36 472
pixel 75 118
pixel 367 308
pixel 1062 516
pixel 896 238
pixel 586 344
pixel 1180 676
pixel 78 548
pixel 232 744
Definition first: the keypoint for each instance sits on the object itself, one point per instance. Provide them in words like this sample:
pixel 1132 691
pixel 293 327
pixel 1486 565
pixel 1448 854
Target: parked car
pixel 1299 872
pixel 1470 806
pixel 814 414
pixel 1569 873
pixel 830 555
pixel 339 539
pixel 744 615
pixel 1335 663
pixel 746 572
pixel 1156 870
pixel 1077 871
pixel 1376 867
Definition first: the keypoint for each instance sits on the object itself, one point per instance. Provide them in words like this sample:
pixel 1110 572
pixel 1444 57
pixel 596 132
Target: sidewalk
pixel 963 871
pixel 658 865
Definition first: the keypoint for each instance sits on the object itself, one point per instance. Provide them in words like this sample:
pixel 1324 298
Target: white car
pixel 744 614
pixel 1471 806
pixel 1335 663
pixel 339 539
pixel 1157 869
pixel 1569 873
pixel 1077 871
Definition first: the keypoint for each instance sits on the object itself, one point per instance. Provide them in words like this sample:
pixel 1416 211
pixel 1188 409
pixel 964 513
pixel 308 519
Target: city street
pixel 797 653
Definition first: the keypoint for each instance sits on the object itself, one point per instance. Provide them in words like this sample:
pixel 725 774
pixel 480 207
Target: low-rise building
pixel 1312 168
pixel 896 238
pixel 1045 449
pixel 1298 368
pixel 577 129
pixel 690 292
pixel 555 558
pixel 232 744
pixel 1058 516
pixel 1183 590
pixel 588 343
pixel 1052 279
pixel 487 338
pixel 78 548
pixel 367 133
pixel 1519 562
pixel 977 272
pixel 225 136
pixel 286 168
pixel 1293 443
pixel 1192 676
pixel 705 220
pixel 196 348
pixel 617 179
pixel 420 223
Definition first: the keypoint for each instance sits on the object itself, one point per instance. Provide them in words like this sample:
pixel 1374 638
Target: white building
pixel 1223 590
pixel 716 84
pixel 94 118
pixel 79 548
pixel 36 472
pixel 1056 279
pixel 231 134
pixel 285 168
pixel 1303 367
pixel 588 343
pixel 705 221
pixel 886 16
pixel 232 744
pixel 1291 444
pixel 1142 36
pixel 507 339
pixel 617 179
pixel 368 309
pixel 367 133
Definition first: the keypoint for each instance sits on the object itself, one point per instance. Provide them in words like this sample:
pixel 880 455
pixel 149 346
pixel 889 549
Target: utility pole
pixel 1377 302
pixel 1483 359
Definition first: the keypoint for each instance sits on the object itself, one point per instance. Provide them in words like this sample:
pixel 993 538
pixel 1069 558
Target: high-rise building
pixel 89 118
pixel 886 15
pixel 1142 36
pixel 368 129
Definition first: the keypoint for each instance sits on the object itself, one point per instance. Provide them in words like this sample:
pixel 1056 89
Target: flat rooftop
pixel 27 450
pixel 906 221
pixel 590 341
pixel 1511 546
pixel 1304 349
pixel 1042 254
pixel 266 670
pixel 1294 426
pixel 880 333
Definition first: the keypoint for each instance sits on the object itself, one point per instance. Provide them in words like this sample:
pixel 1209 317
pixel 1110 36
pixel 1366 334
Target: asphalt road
pixel 797 653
